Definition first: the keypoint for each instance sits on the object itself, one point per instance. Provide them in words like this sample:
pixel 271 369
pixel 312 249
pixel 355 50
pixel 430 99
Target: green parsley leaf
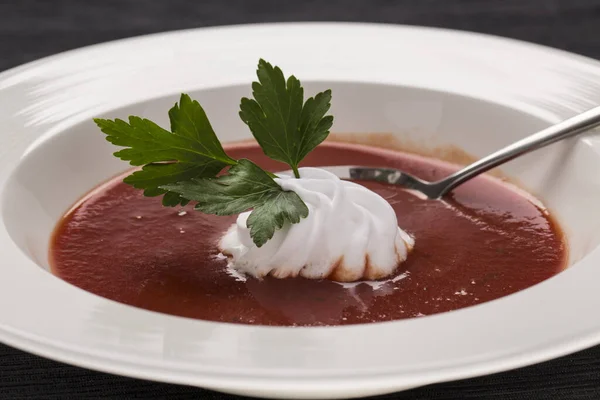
pixel 283 206
pixel 184 164
pixel 191 150
pixel 286 129
pixel 245 186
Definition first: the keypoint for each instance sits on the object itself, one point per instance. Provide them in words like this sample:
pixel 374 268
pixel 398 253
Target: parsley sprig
pixel 286 128
pixel 185 163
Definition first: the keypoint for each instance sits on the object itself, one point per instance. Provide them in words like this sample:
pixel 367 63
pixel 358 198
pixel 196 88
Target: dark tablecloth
pixel 32 29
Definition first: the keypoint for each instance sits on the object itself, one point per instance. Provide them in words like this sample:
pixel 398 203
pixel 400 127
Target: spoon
pixel 434 190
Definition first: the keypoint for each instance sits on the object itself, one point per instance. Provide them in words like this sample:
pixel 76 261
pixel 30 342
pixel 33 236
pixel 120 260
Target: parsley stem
pixel 296 172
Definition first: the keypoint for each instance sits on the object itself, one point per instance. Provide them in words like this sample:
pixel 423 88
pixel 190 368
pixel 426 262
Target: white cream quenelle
pixel 350 233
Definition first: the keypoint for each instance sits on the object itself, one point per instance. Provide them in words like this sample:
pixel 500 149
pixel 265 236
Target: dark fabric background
pixel 32 29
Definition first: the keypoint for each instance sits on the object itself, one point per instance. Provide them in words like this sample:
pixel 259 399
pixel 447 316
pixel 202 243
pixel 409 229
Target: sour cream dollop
pixel 350 233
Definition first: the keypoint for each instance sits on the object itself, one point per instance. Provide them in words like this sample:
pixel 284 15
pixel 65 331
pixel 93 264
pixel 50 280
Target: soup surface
pixel 482 242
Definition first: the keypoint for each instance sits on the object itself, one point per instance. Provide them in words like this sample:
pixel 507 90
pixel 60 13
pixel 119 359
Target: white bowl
pixel 426 87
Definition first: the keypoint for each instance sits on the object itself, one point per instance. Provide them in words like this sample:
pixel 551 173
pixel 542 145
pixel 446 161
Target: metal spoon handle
pixel 567 128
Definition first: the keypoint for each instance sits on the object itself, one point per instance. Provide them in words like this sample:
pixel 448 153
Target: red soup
pixel 482 242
